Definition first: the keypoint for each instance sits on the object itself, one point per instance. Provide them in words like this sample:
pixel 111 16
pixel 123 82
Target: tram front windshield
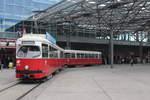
pixel 29 52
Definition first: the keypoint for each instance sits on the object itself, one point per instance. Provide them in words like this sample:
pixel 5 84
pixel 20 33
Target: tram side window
pixel 90 56
pixel 44 50
pixel 93 56
pixel 53 53
pixel 86 56
pixel 96 55
pixel 78 55
pixel 100 56
pixel 67 55
pixel 82 56
pixel 61 54
pixel 72 55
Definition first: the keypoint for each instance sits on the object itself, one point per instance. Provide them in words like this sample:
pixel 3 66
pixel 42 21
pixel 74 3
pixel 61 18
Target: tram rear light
pixel 26 67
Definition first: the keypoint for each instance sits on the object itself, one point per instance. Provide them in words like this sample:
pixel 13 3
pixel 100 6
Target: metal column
pixel 111 50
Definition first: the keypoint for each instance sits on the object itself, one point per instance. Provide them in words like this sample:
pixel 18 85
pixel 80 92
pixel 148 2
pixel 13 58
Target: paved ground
pixel 123 82
pixel 7 76
pixel 100 83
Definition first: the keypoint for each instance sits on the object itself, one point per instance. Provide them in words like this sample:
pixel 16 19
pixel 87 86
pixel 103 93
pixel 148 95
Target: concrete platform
pixel 123 82
pixel 7 76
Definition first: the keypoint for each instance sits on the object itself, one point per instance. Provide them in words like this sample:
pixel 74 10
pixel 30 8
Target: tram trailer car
pixel 38 58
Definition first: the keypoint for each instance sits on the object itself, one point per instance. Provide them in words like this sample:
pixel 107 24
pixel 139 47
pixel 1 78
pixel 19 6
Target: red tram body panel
pixel 37 58
pixel 38 68
pixel 81 62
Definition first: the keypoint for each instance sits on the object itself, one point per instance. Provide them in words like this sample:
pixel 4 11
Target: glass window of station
pixel 13 11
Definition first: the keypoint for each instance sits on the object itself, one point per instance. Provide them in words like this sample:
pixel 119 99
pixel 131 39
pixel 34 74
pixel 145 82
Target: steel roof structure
pixel 101 15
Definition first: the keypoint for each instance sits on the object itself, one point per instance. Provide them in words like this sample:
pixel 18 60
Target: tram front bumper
pixel 26 74
pixel 28 71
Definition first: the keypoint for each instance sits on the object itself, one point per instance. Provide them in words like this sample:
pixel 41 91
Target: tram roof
pixel 81 51
pixel 37 38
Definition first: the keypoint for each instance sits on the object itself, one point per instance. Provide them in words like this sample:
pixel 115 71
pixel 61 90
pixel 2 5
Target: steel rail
pixel 20 97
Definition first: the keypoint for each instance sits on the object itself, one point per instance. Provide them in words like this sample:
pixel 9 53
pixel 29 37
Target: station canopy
pixel 120 15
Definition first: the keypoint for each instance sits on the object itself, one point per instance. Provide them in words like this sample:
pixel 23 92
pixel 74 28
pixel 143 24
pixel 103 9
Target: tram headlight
pixel 26 67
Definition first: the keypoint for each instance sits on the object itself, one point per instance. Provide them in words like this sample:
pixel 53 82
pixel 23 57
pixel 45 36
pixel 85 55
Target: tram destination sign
pixel 28 42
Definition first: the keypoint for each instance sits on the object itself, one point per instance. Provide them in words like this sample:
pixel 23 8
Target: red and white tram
pixel 38 58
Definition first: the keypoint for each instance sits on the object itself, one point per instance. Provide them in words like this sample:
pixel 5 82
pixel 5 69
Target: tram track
pixel 9 87
pixel 17 91
pixel 19 98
